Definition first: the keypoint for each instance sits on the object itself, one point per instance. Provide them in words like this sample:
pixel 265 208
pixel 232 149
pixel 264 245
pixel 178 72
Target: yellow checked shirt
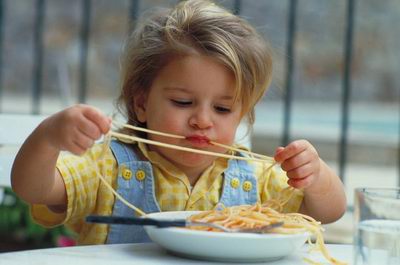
pixel 87 195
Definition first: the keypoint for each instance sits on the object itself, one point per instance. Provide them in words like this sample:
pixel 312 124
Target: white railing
pixel 14 129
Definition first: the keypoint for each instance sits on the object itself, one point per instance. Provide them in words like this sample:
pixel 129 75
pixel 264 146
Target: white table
pixel 142 254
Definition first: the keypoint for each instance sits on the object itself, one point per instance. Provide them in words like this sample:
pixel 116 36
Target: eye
pixel 181 103
pixel 222 109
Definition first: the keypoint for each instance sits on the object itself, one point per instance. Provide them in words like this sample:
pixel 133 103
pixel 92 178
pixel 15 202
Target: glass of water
pixel 377 226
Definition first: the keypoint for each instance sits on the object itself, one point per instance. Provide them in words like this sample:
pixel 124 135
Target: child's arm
pixel 34 176
pixel 324 197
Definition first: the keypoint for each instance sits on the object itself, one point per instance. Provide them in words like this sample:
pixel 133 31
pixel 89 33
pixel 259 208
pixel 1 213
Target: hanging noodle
pixel 243 216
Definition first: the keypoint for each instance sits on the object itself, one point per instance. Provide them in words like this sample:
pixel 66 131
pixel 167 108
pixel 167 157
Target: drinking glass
pixel 377 226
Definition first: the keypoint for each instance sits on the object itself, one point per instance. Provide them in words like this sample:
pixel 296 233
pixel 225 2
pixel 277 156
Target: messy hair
pixel 195 27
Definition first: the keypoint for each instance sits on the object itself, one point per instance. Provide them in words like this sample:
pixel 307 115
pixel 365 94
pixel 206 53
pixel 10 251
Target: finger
pixel 89 129
pixel 99 119
pixel 301 172
pixel 296 161
pixel 88 123
pixel 80 139
pixel 300 183
pixel 291 150
pixel 75 148
pixel 279 149
pixel 83 142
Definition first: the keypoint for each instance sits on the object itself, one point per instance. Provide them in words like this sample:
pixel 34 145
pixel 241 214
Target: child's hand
pixel 75 129
pixel 301 162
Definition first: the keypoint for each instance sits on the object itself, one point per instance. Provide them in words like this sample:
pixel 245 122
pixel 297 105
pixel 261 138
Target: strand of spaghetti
pixel 104 146
pixel 121 198
pixel 286 190
pixel 106 143
pixel 243 151
pixel 183 137
pixel 187 149
pixel 148 130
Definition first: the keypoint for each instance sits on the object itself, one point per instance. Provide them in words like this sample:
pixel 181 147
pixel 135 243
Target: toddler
pixel 197 71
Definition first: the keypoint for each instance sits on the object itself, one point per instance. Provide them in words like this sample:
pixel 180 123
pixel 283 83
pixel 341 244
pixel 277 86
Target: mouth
pixel 198 140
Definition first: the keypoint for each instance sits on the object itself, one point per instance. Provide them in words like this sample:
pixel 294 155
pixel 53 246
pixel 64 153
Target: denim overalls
pixel 136 185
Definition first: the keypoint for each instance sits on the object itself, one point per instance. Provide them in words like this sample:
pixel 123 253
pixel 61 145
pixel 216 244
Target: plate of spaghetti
pixel 210 244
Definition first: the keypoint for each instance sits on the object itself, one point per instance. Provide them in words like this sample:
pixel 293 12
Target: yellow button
pixel 140 175
pixel 126 174
pixel 235 183
pixel 247 186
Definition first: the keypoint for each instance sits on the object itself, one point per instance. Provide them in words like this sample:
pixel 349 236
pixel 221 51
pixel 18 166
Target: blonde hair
pixel 196 27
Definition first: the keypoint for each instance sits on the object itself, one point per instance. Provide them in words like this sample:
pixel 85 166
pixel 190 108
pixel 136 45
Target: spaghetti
pixel 256 216
pixel 132 138
pixel 243 216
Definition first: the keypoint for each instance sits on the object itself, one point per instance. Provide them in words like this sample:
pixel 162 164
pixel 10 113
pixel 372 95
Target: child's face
pixel 191 96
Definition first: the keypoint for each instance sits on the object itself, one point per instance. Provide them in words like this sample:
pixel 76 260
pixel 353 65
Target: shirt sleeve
pixel 81 179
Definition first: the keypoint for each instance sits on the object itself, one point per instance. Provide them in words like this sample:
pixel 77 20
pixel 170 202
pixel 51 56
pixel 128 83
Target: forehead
pixel 196 72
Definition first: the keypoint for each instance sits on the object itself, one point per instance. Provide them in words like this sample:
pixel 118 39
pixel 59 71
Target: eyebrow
pixel 184 90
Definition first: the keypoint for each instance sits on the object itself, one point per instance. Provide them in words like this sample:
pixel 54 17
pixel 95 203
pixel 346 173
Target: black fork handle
pixel 123 220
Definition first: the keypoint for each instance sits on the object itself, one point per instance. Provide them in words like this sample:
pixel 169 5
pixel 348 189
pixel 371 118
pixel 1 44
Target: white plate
pixel 219 246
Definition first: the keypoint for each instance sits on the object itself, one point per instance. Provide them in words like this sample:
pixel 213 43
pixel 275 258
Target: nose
pixel 201 118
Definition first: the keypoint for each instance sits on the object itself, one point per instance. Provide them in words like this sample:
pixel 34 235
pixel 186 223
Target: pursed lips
pixel 198 140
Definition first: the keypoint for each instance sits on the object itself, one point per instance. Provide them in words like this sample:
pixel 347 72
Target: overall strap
pixel 122 152
pixel 135 184
pixel 240 184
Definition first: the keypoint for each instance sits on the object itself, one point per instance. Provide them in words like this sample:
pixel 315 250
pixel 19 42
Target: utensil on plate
pixel 106 219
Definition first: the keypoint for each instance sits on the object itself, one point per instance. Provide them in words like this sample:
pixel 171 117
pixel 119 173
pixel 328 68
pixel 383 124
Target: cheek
pixel 164 121
pixel 167 124
pixel 228 136
pixel 227 131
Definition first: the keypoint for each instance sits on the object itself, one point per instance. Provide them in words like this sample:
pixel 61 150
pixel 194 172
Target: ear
pixel 139 104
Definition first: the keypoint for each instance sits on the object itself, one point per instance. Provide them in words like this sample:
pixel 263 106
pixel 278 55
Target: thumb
pixel 279 149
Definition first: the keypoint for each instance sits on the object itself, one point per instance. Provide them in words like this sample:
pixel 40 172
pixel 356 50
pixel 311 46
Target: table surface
pixel 144 254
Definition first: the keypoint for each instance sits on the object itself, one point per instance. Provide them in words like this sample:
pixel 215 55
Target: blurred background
pixel 336 83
